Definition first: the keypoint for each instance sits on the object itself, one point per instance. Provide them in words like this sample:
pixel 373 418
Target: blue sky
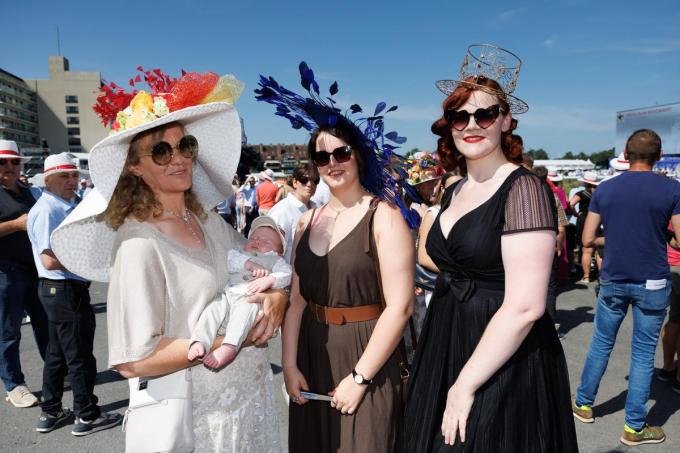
pixel 582 60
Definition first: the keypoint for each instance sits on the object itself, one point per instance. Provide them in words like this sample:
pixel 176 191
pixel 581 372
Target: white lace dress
pixel 235 410
pixel 159 288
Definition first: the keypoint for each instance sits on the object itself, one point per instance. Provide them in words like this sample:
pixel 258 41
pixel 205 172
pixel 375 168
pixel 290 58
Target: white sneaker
pixel 21 396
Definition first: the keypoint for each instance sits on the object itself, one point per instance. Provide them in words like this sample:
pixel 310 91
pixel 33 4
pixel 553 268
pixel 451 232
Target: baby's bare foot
pixel 196 351
pixel 221 356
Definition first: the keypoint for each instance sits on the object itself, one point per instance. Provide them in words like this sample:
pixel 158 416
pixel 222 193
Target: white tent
pixel 563 165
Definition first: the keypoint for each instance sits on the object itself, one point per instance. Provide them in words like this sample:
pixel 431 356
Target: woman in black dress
pixel 582 200
pixel 489 374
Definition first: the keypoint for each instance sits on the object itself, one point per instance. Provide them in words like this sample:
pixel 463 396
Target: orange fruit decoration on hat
pixel 190 89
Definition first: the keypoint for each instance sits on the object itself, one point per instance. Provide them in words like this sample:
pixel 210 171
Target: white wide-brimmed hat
pixel 553 175
pixel 84 245
pixel 265 221
pixel 620 163
pixel 59 163
pixel 590 177
pixel 267 174
pixel 10 150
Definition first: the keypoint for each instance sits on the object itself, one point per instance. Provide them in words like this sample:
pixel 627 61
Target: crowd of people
pixel 340 259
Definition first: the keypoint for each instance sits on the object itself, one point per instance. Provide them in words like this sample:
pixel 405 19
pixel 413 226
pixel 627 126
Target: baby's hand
pixel 259 273
pixel 261 284
pixel 196 351
pixel 253 266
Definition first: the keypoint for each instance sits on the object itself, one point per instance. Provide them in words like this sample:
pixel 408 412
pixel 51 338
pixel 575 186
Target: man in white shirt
pixel 287 212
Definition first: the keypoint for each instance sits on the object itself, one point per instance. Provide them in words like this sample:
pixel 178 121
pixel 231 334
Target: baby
pixel 259 267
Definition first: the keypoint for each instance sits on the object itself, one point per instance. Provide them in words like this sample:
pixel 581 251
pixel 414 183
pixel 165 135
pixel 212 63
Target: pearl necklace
pixel 186 219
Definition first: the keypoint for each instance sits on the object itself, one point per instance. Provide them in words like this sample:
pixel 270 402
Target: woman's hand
pixel 295 382
pixel 458 405
pixel 348 395
pixel 274 304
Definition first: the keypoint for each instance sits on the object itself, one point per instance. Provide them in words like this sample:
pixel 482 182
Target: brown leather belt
pixel 342 315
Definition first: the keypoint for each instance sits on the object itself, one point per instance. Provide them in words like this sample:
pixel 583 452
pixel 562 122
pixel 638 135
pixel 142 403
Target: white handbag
pixel 159 417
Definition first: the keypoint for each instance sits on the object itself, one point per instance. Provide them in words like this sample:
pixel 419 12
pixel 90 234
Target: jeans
pixel 649 311
pixel 71 328
pixel 18 293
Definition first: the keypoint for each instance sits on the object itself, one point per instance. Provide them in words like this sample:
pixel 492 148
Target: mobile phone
pixel 315 396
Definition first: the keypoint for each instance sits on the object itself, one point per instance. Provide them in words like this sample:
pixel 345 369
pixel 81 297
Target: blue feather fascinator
pixel 385 176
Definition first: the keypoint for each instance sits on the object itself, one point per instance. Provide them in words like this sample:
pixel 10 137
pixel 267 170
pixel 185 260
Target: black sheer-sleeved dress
pixel 525 406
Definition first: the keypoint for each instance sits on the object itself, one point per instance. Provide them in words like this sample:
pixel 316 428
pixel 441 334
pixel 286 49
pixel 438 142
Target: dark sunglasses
pixel 162 152
pixel 11 161
pixel 341 154
pixel 305 179
pixel 459 119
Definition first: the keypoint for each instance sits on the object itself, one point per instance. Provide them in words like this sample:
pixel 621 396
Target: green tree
pixel 601 158
pixel 538 154
pixel 412 152
pixel 568 155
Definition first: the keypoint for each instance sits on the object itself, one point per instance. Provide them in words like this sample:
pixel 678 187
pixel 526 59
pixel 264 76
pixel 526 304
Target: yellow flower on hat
pixel 142 101
pixel 138 118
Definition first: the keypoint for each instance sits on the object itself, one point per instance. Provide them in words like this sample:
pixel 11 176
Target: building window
pixel 72 109
pixel 73 120
pixel 75 149
pixel 73 141
pixel 71 99
pixel 73 131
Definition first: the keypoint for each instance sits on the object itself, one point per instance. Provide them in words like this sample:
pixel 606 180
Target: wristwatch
pixel 359 379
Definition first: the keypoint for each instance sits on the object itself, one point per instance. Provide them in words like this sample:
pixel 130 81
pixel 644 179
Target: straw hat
pixel 553 175
pixel 10 150
pixel 267 174
pixel 59 163
pixel 590 177
pixel 620 163
pixel 84 243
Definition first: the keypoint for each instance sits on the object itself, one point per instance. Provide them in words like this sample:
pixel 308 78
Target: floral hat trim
pixel 121 110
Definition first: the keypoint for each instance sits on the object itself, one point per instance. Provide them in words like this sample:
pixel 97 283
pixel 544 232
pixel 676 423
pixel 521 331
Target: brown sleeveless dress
pixel 344 277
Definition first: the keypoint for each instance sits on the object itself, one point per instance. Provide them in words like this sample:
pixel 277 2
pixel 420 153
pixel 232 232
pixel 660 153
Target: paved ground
pixel 575 306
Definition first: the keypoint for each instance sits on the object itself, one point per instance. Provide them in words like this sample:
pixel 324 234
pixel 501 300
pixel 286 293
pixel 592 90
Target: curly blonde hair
pixel 132 197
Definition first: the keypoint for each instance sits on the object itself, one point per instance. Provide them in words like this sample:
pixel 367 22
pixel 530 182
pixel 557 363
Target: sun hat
pixel 267 174
pixel 10 150
pixel 59 163
pixel 264 221
pixel 487 61
pixel 84 241
pixel 553 175
pixel 590 177
pixel 620 163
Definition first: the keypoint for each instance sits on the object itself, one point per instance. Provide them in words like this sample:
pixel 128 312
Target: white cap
pixel 10 150
pixel 59 163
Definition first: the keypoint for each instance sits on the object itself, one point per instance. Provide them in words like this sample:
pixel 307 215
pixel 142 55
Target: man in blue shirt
pixel 634 208
pixel 66 299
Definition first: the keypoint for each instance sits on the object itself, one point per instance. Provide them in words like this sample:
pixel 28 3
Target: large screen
pixel 662 119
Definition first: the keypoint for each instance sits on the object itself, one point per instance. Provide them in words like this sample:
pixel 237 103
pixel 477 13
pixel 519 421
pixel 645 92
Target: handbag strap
pixel 401 352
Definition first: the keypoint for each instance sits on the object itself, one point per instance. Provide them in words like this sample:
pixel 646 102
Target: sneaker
pixel 48 422
pixel 105 420
pixel 648 435
pixel 21 396
pixel 583 413
pixel 665 376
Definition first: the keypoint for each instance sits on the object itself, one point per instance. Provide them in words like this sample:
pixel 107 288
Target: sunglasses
pixel 341 154
pixel 162 152
pixel 11 161
pixel 459 119
pixel 305 179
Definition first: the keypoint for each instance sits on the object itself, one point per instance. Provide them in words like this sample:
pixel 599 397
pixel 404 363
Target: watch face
pixel 358 379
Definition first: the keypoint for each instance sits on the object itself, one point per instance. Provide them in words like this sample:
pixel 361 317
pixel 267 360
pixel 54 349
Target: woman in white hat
pixel 148 229
pixel 582 200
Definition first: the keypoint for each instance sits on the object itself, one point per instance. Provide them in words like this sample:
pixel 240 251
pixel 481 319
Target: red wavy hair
pixel 450 158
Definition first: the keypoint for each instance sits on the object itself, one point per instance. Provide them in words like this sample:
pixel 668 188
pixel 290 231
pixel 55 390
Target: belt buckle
pixel 325 313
